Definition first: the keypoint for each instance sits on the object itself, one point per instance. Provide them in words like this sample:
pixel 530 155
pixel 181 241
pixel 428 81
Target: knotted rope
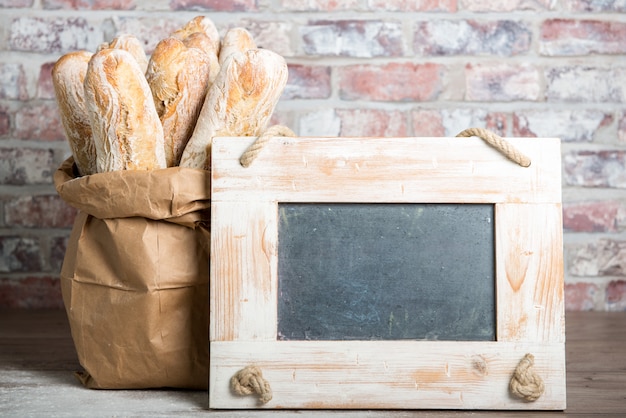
pixel 253 150
pixel 248 381
pixel 526 384
pixel 498 143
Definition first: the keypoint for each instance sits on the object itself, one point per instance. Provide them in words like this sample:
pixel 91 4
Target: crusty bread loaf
pixel 126 128
pixel 201 24
pixel 235 40
pixel 178 78
pixel 132 45
pixel 239 103
pixel 200 41
pixel 68 75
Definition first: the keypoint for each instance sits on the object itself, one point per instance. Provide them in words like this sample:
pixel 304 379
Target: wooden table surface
pixel 37 359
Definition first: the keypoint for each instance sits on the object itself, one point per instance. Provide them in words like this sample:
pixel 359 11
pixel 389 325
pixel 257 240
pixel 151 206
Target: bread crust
pixel 126 128
pixel 131 44
pixel 236 39
pixel 239 103
pixel 201 24
pixel 178 78
pixel 68 75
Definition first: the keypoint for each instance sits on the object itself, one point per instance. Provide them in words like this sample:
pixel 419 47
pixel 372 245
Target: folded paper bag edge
pixel 179 195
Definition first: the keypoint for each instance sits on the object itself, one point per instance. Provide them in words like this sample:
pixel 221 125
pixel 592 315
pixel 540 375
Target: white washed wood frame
pixel 401 374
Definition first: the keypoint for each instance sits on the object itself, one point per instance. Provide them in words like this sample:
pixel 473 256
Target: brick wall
pixel 357 67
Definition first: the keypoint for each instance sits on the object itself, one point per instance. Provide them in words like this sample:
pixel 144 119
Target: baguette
pixel 68 75
pixel 178 78
pixel 126 128
pixel 200 40
pixel 132 45
pixel 201 24
pixel 239 103
pixel 235 40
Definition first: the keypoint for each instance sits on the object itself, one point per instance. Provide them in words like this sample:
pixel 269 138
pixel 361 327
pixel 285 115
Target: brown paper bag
pixel 135 276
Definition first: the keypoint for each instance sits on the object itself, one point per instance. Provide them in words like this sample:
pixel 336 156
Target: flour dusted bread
pixel 239 103
pixel 126 128
pixel 235 40
pixel 130 44
pixel 68 75
pixel 204 25
pixel 178 78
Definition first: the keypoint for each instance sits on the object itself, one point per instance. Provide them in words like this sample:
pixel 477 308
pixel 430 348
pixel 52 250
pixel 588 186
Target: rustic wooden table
pixel 37 359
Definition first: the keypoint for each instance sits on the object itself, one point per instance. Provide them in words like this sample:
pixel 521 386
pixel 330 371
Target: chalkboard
pixel 386 271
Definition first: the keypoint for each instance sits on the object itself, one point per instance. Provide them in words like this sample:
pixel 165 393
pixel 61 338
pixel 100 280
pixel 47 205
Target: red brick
pixel 391 82
pixel 48 211
pixel 25 166
pixel 427 123
pixel 13 82
pixel 413 6
pixel 581 296
pixel 31 293
pixel 604 257
pixel 372 122
pixel 471 37
pixel 20 254
pixel 582 37
pixel 616 295
pixel 319 5
pixel 353 38
pixel 58 246
pixel 323 122
pixel 307 82
pixel 39 122
pixel 595 5
pixel 215 5
pixel 89 4
pixel 621 129
pixel 586 84
pixel 505 5
pixel 53 34
pixel 502 82
pixel 605 168
pixel 597 216
pixel 149 30
pixel 8 4
pixel 5 122
pixel 568 125
pixel 450 122
pixel 273 35
pixel 45 88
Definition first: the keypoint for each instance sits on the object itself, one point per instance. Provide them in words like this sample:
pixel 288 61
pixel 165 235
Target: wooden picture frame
pixel 402 374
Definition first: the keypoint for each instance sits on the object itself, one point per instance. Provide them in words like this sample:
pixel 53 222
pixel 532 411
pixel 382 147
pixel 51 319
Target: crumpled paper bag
pixel 135 276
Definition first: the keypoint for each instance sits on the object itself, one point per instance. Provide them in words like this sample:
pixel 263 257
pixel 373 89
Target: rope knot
pixel 526 384
pixel 249 381
pixel 499 143
pixel 253 150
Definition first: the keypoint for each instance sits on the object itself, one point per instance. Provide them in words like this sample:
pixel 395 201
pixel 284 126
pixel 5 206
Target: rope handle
pixel 255 148
pixel 526 384
pixel 499 143
pixel 496 141
pixel 249 381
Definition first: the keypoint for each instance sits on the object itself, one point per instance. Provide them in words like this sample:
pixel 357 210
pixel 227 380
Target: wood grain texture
pixel 375 375
pixel 386 170
pixel 243 291
pixel 349 374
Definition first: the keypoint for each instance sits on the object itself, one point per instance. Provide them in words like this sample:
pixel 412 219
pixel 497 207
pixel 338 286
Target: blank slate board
pixel 386 272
